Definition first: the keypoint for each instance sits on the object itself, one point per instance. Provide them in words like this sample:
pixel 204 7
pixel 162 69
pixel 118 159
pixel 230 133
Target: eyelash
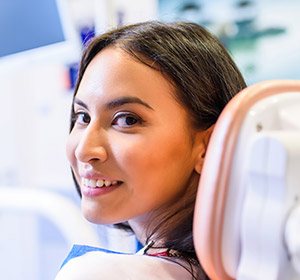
pixel 75 117
pixel 124 115
pixel 83 121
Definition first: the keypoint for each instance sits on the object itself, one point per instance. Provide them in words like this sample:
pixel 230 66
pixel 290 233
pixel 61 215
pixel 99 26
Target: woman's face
pixel 132 148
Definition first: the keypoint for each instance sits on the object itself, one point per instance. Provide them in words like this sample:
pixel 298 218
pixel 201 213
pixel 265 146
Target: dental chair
pixel 38 228
pixel 247 215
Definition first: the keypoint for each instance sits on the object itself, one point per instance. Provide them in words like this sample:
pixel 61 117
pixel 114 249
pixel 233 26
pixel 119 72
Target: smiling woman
pixel 143 111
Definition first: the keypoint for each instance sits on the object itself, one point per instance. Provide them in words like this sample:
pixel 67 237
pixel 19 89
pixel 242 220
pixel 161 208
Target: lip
pixel 95 176
pixel 94 192
pixel 92 174
pixel 88 191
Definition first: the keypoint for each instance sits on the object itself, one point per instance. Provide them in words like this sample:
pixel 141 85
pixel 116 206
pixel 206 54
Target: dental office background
pixel 40 46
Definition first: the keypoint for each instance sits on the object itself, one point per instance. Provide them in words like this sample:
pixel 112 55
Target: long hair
pixel 205 78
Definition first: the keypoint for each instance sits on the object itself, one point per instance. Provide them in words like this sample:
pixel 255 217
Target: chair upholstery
pixel 223 184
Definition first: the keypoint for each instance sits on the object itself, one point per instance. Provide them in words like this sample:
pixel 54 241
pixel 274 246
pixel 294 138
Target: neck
pixel 139 230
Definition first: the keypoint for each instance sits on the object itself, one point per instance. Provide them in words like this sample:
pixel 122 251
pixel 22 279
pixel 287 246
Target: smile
pixel 98 183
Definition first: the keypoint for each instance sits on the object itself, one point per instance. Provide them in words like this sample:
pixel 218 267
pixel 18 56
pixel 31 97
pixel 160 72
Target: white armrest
pixel 61 211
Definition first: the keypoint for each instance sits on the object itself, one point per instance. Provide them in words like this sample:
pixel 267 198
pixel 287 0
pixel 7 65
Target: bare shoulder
pixel 98 265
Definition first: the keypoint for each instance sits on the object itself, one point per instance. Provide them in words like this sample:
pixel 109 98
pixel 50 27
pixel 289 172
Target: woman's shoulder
pixel 100 265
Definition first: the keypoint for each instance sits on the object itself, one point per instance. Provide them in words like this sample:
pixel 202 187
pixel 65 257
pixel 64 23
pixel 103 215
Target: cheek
pixel 128 153
pixel 146 156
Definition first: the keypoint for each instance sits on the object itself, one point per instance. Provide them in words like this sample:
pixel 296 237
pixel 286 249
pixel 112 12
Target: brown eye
pixel 126 120
pixel 82 118
pixel 130 120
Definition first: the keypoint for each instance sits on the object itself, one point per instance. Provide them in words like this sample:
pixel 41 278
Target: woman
pixel 145 103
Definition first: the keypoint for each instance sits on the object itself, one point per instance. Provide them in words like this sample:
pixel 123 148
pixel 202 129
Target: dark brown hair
pixel 205 79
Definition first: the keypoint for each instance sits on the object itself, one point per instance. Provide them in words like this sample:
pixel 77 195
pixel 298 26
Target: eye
pixel 81 118
pixel 126 120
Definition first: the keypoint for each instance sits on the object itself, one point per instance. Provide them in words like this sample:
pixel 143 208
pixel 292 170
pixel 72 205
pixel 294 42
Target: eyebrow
pixel 118 102
pixel 80 103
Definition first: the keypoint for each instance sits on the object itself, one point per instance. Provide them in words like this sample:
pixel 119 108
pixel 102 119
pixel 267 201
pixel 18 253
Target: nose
pixel 91 146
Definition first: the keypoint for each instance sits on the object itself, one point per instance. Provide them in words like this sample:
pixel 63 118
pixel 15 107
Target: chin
pixel 95 217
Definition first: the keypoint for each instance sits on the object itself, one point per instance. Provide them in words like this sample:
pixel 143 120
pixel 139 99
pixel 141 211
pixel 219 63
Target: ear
pixel 202 143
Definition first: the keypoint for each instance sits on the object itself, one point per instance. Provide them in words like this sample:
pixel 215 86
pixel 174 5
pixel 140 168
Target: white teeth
pixel 92 183
pixel 107 183
pixel 97 183
pixel 85 181
pixel 100 183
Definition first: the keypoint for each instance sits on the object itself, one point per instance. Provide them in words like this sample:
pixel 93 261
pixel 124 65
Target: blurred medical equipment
pixel 26 36
pixel 20 252
pixel 112 13
pixel 247 217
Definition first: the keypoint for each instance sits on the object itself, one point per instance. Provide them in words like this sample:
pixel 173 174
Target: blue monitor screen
pixel 28 24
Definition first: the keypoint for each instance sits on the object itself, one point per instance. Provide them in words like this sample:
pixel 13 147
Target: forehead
pixel 113 72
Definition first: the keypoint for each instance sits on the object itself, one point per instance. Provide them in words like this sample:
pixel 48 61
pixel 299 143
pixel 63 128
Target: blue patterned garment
pixel 79 250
